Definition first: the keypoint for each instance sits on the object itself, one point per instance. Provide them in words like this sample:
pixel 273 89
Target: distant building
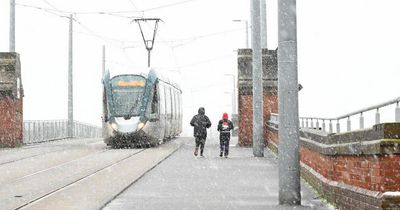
pixel 245 87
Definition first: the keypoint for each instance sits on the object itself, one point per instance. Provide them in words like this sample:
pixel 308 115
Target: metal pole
pixel 234 95
pixel 288 157
pixel 263 24
pixel 70 83
pixel 103 60
pixel 148 58
pixel 247 34
pixel 12 25
pixel 377 117
pixel 361 121
pixel 258 140
pixel 103 123
pixel 348 124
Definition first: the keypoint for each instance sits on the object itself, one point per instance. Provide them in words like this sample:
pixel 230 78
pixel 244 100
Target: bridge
pixel 351 168
pixel 349 161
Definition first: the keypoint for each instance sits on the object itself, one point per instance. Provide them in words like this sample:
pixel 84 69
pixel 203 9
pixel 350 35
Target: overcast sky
pixel 347 51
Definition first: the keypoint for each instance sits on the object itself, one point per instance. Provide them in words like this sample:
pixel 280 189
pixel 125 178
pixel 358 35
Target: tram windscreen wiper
pixel 129 115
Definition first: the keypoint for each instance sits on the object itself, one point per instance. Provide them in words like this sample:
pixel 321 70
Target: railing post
pixel 39 131
pixel 312 123
pixel 34 131
pixel 323 125
pixel 361 121
pixel 306 123
pixel 317 125
pixel 29 133
pixel 337 127
pixel 377 116
pixel 397 112
pixel 330 126
pixel 348 124
pixel 52 129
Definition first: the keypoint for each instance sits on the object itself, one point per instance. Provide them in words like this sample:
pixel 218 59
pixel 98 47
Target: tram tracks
pixel 84 177
pixel 76 181
pixel 55 166
pixel 33 151
pixel 25 190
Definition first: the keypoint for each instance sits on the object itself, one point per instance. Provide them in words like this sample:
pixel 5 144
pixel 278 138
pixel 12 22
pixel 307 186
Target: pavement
pixel 183 181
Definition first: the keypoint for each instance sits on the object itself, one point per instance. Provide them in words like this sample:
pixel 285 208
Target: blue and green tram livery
pixel 140 110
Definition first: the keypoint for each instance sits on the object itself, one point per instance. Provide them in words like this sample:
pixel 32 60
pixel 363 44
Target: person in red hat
pixel 224 127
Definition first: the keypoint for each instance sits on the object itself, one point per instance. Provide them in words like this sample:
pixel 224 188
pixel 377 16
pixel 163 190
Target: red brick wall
pixel 270 105
pixel 11 129
pixel 377 173
pixel 374 174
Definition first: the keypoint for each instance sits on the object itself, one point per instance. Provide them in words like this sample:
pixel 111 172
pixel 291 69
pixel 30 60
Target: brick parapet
pixel 11 94
pixel 270 105
pixel 361 180
pixel 245 87
pixel 11 128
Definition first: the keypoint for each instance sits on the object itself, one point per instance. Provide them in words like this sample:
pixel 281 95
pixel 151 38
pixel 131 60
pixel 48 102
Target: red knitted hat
pixel 225 116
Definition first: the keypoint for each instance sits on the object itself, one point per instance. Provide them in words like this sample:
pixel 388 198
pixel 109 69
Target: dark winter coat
pixel 224 128
pixel 200 122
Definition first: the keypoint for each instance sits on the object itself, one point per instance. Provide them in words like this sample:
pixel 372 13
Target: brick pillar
pixel 270 69
pixel 11 94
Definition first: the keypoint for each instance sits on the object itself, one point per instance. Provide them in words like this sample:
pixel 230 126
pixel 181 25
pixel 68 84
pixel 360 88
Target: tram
pixel 140 110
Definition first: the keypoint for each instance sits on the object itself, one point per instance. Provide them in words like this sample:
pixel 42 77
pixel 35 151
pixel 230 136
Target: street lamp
pixel 233 93
pixel 247 30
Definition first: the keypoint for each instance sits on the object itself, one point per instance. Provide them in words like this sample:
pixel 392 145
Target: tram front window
pixel 127 95
pixel 127 100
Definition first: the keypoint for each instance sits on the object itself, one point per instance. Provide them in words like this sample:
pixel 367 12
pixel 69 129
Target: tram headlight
pixel 114 126
pixel 140 125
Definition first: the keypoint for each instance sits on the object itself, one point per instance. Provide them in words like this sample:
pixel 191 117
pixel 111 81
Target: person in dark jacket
pixel 224 127
pixel 200 122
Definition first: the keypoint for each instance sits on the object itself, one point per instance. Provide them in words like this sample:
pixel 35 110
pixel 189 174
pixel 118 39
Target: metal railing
pixel 308 122
pixel 36 131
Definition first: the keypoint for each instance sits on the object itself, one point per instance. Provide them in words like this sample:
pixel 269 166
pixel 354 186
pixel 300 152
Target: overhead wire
pixel 168 5
pixel 51 5
pixel 65 14
pixel 100 12
pixel 47 10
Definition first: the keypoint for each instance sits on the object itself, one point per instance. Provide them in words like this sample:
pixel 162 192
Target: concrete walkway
pixel 186 182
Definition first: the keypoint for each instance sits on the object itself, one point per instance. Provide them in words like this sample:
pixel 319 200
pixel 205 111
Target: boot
pixel 201 153
pixel 220 154
pixel 195 151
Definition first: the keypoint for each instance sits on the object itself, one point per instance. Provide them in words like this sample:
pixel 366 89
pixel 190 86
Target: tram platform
pixel 183 181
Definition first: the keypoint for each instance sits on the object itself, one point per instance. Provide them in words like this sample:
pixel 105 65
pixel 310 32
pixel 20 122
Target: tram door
pixel 161 105
pixel 168 111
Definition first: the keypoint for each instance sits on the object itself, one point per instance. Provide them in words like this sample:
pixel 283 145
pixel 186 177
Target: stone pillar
pixel 245 85
pixel 11 94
